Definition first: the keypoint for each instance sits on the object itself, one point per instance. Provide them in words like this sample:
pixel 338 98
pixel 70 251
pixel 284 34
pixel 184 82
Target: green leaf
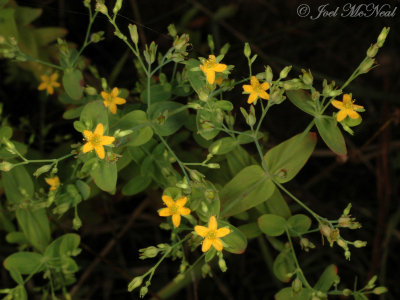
pixel 250 230
pixel 137 121
pixel 25 15
pixel 326 280
pixel 196 78
pixel 19 293
pixel 5 154
pixel 18 185
pixel 359 296
pixel 158 93
pixel 5 132
pixel 298 224
pixel 235 242
pixel 277 205
pixel 73 113
pixel 65 245
pixel 248 188
pixel 285 160
pixel 105 175
pixel 167 125
pixel 331 134
pixel 224 105
pixel 288 294
pixel 205 200
pixel 245 139
pixel 8 27
pixel 210 254
pixel 47 35
pixel 25 263
pixel 238 159
pixel 16 237
pixel 73 83
pixel 35 226
pixel 94 113
pixel 272 225
pixel 206 123
pixel 83 188
pixel 302 100
pixel 222 146
pixel 284 265
pixel 136 185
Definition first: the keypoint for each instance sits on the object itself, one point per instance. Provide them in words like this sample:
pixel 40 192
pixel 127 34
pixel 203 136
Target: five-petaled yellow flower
pixel 96 140
pixel 175 209
pixel 111 100
pixel 210 66
pixel 347 108
pixel 54 182
pixel 49 83
pixel 255 89
pixel 211 234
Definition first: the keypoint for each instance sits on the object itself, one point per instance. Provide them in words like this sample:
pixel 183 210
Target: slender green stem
pixel 298 268
pixel 33 161
pixel 181 164
pixel 148 87
pixel 28 57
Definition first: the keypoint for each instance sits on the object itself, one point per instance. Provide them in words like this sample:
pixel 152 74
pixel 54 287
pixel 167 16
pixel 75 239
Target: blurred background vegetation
pixel 115 227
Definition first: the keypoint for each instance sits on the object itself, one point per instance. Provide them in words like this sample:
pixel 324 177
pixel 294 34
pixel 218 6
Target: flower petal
pixel 337 104
pixel 88 134
pixel 217 244
pixel 164 212
pixel 119 100
pixel 353 114
pixel 113 108
pixel 355 107
pixel 50 90
pixel 219 67
pixel 53 77
pixel 265 86
pixel 106 103
pixel 247 88
pixel 99 129
pixel 212 223
pixel 211 58
pixel 184 211
pixel 201 230
pixel 252 98
pixel 181 202
pixel 210 76
pixel 167 200
pixel 100 151
pixel 42 86
pixel 254 81
pixel 263 95
pixel 206 245
pixel 56 84
pixel 114 92
pixel 104 95
pixel 341 115
pixel 107 140
pixel 346 98
pixel 87 147
pixel 176 219
pixel 222 232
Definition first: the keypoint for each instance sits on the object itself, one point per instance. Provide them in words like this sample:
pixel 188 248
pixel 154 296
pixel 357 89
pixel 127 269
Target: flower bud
pixel 148 252
pixel 117 7
pixel 325 230
pixel 97 37
pixel 359 244
pixel 247 50
pixel 372 50
pixel 133 33
pixel 307 77
pixel 209 194
pixel 172 30
pixel 143 291
pixel 100 7
pixel 86 3
pixel 347 292
pixel 210 41
pixel 366 65
pixel 213 166
pixel 5 166
pixel 380 290
pixel 382 36
pixel 371 282
pixel 120 35
pixel 284 73
pixel 297 285
pixel 76 222
pixel 222 264
pixel 206 270
pixel 135 283
pixel 225 48
pixel 346 211
pixel 268 74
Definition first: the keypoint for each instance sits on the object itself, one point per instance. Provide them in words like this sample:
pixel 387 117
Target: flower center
pixel 348 105
pixel 174 209
pixel 96 140
pixel 212 235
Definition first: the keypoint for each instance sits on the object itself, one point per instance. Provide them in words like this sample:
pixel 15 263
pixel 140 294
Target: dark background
pixel 331 48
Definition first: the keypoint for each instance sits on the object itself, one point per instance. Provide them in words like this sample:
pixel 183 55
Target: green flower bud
pixel 225 49
pixel 100 7
pixel 133 33
pixel 268 74
pixel 297 285
pixel 209 194
pixel 307 77
pixel 135 283
pixel 210 41
pixel 179 277
pixel 382 36
pixel 372 50
pixel 247 50
pixel 347 292
pixel 120 35
pixel 366 65
pixel 222 264
pixel 284 73
pixel 371 282
pixel 172 30
pixel 206 270
pixel 213 166
pixel 76 222
pixel 143 291
pixel 380 290
pixel 86 3
pixel 360 244
pixel 148 252
pixel 5 166
pixel 346 211
pixel 117 7
pixel 97 37
pixel 196 175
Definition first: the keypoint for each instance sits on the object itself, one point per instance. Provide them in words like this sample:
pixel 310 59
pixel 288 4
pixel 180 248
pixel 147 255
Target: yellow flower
pixel 211 235
pixel 210 66
pixel 49 83
pixel 255 89
pixel 112 100
pixel 174 209
pixel 96 141
pixel 347 108
pixel 54 182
